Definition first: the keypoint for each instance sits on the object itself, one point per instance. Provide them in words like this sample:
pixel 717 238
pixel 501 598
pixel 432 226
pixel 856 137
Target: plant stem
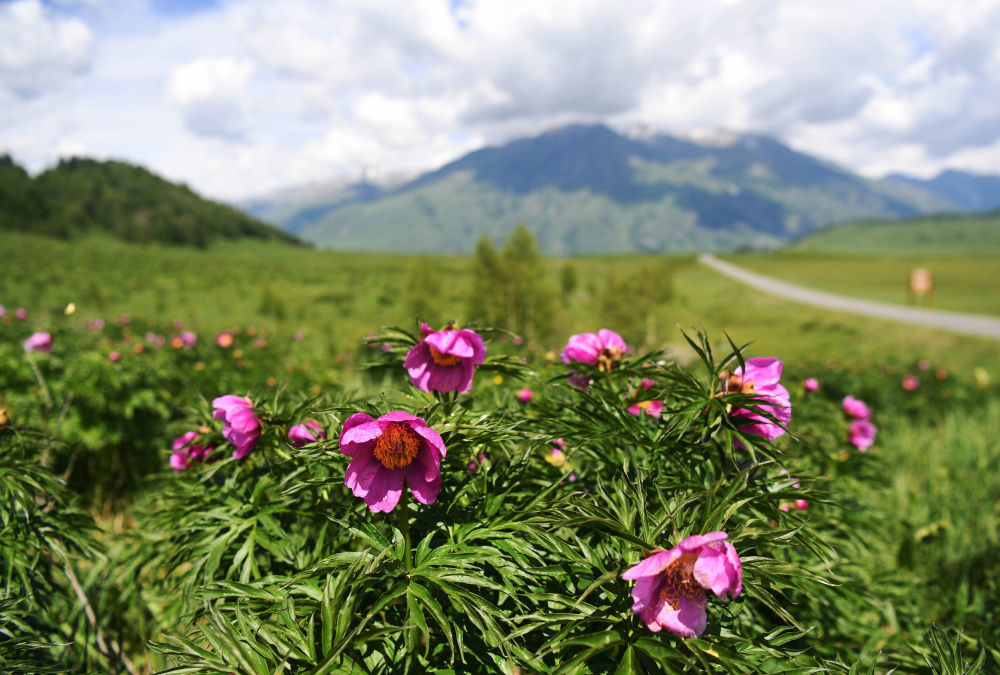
pixel 41 380
pixel 403 520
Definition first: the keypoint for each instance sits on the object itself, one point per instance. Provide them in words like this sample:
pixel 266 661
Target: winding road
pixel 958 322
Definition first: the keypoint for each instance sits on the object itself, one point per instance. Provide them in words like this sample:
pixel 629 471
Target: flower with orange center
pixel 760 379
pixel 603 349
pixel 445 360
pixel 670 585
pixel 387 451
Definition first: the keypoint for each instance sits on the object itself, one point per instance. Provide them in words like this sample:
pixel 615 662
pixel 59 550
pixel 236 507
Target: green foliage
pixel 510 289
pixel 933 235
pixel 270 564
pixel 125 201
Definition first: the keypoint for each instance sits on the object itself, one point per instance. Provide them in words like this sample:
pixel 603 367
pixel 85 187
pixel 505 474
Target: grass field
pixel 337 298
pixel 947 235
pixel 926 484
pixel 966 283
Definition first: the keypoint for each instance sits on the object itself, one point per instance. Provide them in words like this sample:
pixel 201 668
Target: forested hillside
pixel 80 196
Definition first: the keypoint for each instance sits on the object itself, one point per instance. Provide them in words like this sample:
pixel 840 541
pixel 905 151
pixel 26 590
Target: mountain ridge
pixel 586 188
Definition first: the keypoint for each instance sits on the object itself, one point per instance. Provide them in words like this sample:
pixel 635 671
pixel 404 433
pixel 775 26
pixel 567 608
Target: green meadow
pixel 908 532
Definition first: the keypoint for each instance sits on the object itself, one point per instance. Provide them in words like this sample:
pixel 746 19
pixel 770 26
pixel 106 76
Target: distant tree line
pixel 81 196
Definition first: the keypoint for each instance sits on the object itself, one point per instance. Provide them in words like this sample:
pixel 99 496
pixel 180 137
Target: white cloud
pixel 39 51
pixel 253 95
pixel 210 94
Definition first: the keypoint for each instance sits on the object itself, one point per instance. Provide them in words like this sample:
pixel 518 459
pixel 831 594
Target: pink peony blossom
pixel 856 408
pixel 21 313
pixel 309 432
pixel 602 349
pixel 115 357
pixel 761 380
pixel 862 434
pixel 910 382
pixel 525 395
pixel 670 585
pixel 186 451
pixel 39 342
pixel 386 451
pixel 241 428
pixel 445 360
pixel 651 408
pixel 188 339
pixel 811 384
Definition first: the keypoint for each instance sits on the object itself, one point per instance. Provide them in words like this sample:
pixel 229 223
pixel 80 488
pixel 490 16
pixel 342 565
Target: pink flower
pixel 241 428
pixel 923 364
pixel 856 408
pixel 910 382
pixel 445 360
pixel 186 452
pixel 3 311
pixel 39 342
pixel 387 450
pixel 862 434
pixel 21 313
pixel 602 349
pixel 178 324
pixel 115 357
pixel 811 384
pixel 651 408
pixel 525 396
pixel 224 339
pixel 670 586
pixel 188 339
pixel 298 336
pixel 310 432
pixel 96 324
pixel 761 380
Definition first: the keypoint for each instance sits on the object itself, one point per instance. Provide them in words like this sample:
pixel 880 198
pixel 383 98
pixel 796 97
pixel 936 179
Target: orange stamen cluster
pixel 444 359
pixel 397 447
pixel 735 384
pixel 608 357
pixel 679 582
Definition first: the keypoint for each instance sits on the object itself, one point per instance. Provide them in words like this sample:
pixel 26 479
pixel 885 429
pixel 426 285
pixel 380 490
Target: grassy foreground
pixel 909 528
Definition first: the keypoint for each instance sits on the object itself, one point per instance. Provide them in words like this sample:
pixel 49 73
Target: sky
pixel 239 98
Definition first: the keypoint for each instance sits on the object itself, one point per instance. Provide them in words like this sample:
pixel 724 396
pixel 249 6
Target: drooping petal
pixel 361 472
pixel 716 570
pixel 385 491
pixel 423 481
pixel 431 436
pixel 684 616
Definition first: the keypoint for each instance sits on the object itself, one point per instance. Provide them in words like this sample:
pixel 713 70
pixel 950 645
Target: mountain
pixel 966 191
pixel 589 189
pixel 84 195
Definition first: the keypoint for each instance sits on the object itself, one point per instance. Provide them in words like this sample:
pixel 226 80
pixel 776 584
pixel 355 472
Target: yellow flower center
pixel 643 405
pixel 397 446
pixel 679 582
pixel 735 384
pixel 443 359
